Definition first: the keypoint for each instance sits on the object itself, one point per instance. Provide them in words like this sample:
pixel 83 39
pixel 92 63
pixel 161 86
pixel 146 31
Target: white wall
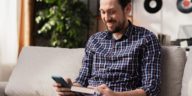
pixel 168 20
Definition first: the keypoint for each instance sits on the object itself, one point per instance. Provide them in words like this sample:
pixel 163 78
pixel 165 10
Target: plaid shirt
pixel 126 64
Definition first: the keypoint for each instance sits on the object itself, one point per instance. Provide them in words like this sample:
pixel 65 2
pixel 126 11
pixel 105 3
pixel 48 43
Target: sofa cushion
pixel 173 63
pixel 187 77
pixel 36 65
pixel 2 88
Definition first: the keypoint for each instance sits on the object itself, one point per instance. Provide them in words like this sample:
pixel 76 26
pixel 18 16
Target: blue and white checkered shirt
pixel 126 64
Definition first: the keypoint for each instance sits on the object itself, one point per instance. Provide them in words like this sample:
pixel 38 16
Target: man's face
pixel 113 16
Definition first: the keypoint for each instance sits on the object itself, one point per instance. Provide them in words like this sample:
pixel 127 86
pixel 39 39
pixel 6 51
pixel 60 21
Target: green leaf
pixel 50 1
pixel 64 21
pixel 38 19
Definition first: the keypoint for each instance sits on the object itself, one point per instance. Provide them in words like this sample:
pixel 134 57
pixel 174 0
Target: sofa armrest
pixel 2 88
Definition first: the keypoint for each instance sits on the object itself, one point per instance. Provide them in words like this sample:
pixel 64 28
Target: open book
pixel 84 90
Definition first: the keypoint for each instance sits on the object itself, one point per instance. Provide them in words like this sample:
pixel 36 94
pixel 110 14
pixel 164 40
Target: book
pixel 84 90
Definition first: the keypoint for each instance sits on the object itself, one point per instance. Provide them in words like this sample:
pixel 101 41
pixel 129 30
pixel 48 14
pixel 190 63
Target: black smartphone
pixel 60 80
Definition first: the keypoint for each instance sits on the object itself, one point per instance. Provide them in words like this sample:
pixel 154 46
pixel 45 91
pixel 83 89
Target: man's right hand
pixel 62 91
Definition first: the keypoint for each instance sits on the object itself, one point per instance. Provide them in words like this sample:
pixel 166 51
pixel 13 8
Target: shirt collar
pixel 126 34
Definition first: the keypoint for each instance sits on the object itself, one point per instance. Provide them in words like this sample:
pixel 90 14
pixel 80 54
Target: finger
pixel 69 94
pixel 60 93
pixel 66 93
pixel 56 85
pixel 62 89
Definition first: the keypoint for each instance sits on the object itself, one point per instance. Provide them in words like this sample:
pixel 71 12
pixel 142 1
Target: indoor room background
pixel 168 20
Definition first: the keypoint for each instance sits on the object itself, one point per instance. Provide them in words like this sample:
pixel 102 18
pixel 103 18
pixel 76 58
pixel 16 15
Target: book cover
pixel 84 90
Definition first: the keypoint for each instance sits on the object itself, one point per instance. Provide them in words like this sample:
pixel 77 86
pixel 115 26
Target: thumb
pixel 68 80
pixel 101 88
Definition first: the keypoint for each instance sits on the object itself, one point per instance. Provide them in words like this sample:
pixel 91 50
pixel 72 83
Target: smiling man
pixel 122 61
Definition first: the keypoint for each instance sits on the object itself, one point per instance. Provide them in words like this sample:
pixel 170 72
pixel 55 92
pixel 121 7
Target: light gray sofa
pixel 32 75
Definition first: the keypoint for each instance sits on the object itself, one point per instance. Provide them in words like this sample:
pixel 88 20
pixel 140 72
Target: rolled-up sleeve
pixel 85 71
pixel 151 68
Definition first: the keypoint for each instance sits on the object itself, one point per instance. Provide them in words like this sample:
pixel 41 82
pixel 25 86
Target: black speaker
pixel 151 9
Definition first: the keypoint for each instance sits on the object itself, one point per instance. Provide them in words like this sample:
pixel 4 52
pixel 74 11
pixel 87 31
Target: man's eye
pixel 102 12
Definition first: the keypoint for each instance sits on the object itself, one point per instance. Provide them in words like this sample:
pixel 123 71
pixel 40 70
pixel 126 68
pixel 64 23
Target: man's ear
pixel 128 9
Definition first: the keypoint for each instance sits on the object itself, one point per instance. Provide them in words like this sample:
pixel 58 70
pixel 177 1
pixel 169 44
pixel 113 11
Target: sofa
pixel 31 76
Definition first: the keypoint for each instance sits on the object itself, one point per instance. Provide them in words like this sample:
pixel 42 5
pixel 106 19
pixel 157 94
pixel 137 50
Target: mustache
pixel 110 21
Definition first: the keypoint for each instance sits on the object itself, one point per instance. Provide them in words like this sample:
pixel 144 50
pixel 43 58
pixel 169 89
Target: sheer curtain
pixel 8 32
pixel 8 37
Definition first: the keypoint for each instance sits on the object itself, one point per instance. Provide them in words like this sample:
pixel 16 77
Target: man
pixel 122 61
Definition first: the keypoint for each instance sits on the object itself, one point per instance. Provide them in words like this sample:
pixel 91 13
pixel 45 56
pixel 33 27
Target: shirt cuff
pixel 150 91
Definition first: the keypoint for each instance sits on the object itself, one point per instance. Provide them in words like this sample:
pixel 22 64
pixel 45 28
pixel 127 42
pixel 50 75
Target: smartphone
pixel 60 80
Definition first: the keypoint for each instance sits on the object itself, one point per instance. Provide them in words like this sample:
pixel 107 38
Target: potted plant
pixel 64 23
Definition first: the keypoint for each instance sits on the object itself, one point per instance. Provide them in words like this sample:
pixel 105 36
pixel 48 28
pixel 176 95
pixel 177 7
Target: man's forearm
pixel 136 92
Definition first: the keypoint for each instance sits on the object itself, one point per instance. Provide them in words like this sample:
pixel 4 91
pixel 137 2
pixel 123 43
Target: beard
pixel 118 26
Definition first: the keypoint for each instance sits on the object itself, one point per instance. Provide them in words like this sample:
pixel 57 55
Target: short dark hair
pixel 124 3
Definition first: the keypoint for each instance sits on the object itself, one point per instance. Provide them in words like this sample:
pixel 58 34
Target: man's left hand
pixel 105 90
